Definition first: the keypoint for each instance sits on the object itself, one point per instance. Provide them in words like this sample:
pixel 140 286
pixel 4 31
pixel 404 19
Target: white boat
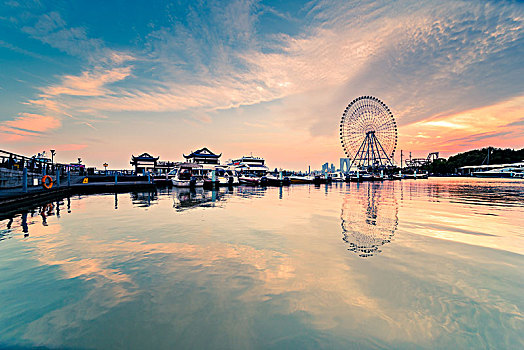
pixel 508 172
pixel 226 176
pixel 251 170
pixel 249 165
pixel 338 177
pixel 187 175
pixel 416 175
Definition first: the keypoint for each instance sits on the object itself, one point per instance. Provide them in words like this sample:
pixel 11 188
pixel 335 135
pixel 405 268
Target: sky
pixel 103 80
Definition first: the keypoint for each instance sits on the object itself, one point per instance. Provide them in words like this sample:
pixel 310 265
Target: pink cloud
pixel 33 122
pixel 28 125
pixel 89 83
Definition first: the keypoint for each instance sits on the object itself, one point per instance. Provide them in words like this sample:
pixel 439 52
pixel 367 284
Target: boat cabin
pixel 249 165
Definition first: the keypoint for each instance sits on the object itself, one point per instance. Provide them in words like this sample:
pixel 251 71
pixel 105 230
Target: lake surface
pixel 435 263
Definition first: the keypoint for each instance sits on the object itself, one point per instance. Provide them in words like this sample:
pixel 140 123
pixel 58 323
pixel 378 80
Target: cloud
pixel 497 125
pixel 33 122
pixel 89 83
pixel 52 29
pixel 430 62
pixel 422 60
pixel 28 125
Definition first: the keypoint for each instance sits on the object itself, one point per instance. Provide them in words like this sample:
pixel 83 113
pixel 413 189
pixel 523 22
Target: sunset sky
pixel 102 80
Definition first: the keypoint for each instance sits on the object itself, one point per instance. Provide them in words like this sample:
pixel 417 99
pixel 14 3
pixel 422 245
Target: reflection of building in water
pixel 186 198
pixel 142 199
pixel 369 217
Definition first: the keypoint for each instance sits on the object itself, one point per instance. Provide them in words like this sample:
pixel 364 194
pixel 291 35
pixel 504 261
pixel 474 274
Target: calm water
pixel 435 263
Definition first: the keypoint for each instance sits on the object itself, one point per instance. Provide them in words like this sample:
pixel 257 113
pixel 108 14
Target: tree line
pixel 475 157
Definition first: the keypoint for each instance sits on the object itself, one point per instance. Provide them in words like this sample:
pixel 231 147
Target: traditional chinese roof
pixel 203 153
pixel 143 157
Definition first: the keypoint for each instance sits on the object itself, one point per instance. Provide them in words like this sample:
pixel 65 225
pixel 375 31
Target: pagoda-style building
pixel 143 163
pixel 203 156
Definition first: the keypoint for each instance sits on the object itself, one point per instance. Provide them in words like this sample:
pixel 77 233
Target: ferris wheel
pixel 368 132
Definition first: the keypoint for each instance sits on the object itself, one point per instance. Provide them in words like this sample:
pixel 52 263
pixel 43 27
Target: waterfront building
pixel 144 163
pixel 203 156
pixel 147 163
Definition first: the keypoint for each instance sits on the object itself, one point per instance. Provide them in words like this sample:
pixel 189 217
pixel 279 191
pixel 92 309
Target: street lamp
pixel 105 167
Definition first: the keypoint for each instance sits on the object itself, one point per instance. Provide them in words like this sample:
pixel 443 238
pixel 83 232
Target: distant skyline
pixel 102 80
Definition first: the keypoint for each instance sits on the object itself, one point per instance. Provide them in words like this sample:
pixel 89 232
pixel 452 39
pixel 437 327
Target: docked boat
pixel 360 176
pixel 416 175
pixel 187 175
pixel 338 177
pixel 220 176
pixel 295 179
pixel 278 180
pixel 251 170
pixel 398 176
pixel 253 180
pixel 322 179
pixel 508 172
pixel 226 176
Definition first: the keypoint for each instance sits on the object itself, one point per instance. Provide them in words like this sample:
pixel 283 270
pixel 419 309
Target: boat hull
pixel 494 175
pixel 299 180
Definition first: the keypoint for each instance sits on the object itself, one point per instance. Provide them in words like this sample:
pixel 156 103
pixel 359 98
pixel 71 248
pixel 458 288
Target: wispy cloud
pixel 89 83
pixel 28 125
pixel 430 62
pixel 53 30
pixel 499 125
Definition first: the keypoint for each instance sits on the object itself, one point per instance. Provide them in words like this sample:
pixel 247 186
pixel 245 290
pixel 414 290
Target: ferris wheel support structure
pixel 371 153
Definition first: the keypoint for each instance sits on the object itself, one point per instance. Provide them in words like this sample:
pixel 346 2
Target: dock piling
pixel 58 176
pixel 24 183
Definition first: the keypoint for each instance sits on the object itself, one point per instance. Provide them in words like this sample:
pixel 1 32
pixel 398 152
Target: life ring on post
pixel 47 182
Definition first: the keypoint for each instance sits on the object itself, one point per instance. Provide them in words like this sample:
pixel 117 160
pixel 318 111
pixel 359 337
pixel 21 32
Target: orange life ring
pixel 47 182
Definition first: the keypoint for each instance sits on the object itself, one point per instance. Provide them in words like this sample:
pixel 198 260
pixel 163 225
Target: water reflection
pixel 141 199
pixel 21 219
pixel 369 217
pixel 256 270
pixel 187 198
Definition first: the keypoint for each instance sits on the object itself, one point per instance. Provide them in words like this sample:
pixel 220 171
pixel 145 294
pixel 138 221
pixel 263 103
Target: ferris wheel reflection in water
pixel 369 217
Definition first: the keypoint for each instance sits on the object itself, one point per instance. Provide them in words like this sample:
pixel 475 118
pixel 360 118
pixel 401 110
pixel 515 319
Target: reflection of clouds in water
pixel 369 217
pixel 97 263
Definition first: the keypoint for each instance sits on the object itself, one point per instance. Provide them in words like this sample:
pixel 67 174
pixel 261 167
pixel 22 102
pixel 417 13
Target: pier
pixel 27 181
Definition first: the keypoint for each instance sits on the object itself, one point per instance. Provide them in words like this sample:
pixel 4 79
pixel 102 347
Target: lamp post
pixel 105 167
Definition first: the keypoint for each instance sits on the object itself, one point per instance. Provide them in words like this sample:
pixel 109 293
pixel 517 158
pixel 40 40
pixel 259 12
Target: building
pixel 203 156
pixel 147 163
pixel 144 163
pixel 345 165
